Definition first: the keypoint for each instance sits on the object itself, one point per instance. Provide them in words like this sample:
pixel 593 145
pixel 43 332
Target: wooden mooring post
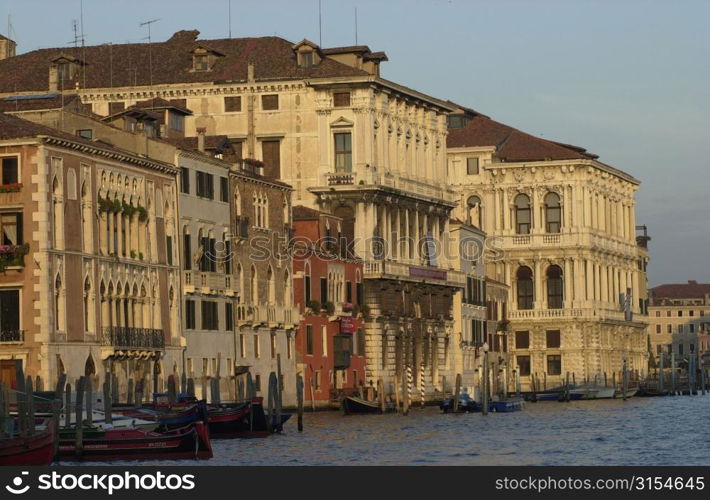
pixel 624 380
pixel 88 387
pixel 30 406
pixel 673 384
pixel 22 407
pixel 79 426
pixel 457 392
pixel 279 394
pixel 486 382
pixel 108 413
pixel 702 373
pixel 299 401
pixel 381 393
pixel 661 373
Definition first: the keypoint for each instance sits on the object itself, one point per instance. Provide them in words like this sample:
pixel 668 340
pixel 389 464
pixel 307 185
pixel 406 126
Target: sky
pixel 628 80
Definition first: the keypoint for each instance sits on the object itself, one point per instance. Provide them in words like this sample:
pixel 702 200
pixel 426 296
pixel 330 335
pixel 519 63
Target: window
pixel 185 180
pixel 553 339
pixel 316 381
pixel 9 170
pixel 323 291
pixel 522 340
pixel 523 365
pixel 474 211
pixel 187 251
pixel 554 287
pixel 341 99
pixel 10 313
pixel 205 185
pixel 361 341
pixel 11 228
pixel 669 328
pixel 554 364
pixel 85 133
pixel 189 314
pixel 658 328
pixel 168 248
pixel 553 213
pixel 691 328
pixel 348 291
pixel 257 347
pixel 668 313
pixel 271 154
pixel 359 293
pixel 257 382
pixel 680 328
pixel 228 316
pixel 680 349
pixel 523 219
pixel 307 287
pixel 201 62
pixel 273 345
pixel 243 345
pixel 269 102
pixel 658 314
pixel 232 104
pixel 210 315
pixel 309 339
pixel 343 152
pixel 691 313
pixel 224 189
pixel 116 107
pixel 525 288
pixel 176 121
pixel 472 166
pixel 680 314
pixel 324 340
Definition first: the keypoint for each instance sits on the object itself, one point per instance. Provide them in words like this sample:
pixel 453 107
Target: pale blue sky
pixel 628 80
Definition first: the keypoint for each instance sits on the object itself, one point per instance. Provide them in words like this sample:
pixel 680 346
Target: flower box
pixel 11 188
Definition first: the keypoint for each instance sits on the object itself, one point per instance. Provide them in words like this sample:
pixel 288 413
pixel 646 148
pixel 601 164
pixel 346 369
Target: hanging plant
pixel 128 209
pixel 116 206
pixel 142 213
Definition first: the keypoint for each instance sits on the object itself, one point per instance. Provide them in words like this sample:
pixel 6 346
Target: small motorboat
pixel 354 404
pixel 630 393
pixel 591 392
pixel 37 449
pixel 168 417
pixel 506 405
pixel 192 441
pixel 466 404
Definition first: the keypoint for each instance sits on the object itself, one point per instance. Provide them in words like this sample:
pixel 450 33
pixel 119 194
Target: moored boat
pixel 354 404
pixel 506 405
pixel 630 392
pixel 37 449
pixel 228 422
pixel 192 441
pixel 466 404
pixel 592 392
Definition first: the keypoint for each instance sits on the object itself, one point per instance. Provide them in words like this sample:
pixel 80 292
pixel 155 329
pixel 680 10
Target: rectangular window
pixel 692 328
pixel 232 104
pixel 168 249
pixel 343 152
pixel 309 339
pixel 201 62
pixel 523 365
pixel 472 166
pixel 10 314
pixel 680 328
pixel 176 121
pixel 115 107
pixel 257 347
pixel 658 328
pixel 242 345
pixel 229 316
pixel 348 291
pixel 307 291
pixel 658 314
pixel 553 339
pixel 691 313
pixel 341 99
pixel 522 340
pixel 554 364
pixel 187 251
pixel 205 185
pixel 669 328
pixel 11 228
pixel 361 341
pixel 316 382
pixel 680 349
pixel 323 291
pixel 189 314
pixel 257 382
pixel 271 154
pixel 185 180
pixel 324 340
pixel 269 102
pixel 273 346
pixel 358 293
pixel 86 133
pixel 210 315
pixel 9 170
pixel 224 189
pixel 680 314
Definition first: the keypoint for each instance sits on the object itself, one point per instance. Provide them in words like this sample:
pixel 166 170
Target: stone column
pixel 568 281
pixel 537 276
pixel 360 229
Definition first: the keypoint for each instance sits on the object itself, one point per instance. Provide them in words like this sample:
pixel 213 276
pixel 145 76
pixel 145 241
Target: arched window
pixel 240 281
pixel 474 211
pixel 554 287
pixel 307 284
pixel 523 216
pixel 88 304
pixel 253 287
pixel 525 287
pixel 288 299
pixel 553 213
pixel 58 304
pixel 271 284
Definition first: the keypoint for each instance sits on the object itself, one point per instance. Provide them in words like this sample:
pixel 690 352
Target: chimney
pixel 692 282
pixel 250 72
pixel 53 78
pixel 201 139
pixel 7 48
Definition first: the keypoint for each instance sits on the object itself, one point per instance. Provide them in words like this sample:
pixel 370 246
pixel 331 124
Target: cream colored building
pixel 564 226
pixel 679 320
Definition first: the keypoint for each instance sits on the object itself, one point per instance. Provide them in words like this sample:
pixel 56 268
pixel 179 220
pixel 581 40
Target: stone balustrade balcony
pixel 388 269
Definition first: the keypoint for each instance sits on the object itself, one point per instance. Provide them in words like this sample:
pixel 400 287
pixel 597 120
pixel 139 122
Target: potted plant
pixel 142 213
pixel 314 306
pixel 133 254
pixel 329 308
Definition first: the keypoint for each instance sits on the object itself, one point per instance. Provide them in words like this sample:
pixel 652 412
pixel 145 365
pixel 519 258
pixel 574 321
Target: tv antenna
pixel 150 49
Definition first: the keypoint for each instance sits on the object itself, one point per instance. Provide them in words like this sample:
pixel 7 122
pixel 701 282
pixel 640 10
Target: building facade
pixel 328 290
pixel 90 284
pixel 679 320
pixel 564 229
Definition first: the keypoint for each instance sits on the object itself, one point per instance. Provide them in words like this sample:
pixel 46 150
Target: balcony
pixel 13 255
pixel 241 227
pixel 584 238
pixel 370 177
pixel 206 282
pixel 120 337
pixel 567 313
pixel 12 336
pixel 272 315
pixel 385 269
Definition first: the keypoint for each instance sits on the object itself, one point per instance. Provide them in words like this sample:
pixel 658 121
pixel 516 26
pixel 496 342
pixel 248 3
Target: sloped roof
pixel 511 144
pixel 120 65
pixel 160 103
pixel 40 101
pixel 305 213
pixel 12 127
pixel 689 290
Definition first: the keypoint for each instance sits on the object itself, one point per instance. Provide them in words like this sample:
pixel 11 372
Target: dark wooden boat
pixel 466 405
pixel 37 449
pixel 229 422
pixel 192 441
pixel 354 404
pixel 506 405
pixel 168 418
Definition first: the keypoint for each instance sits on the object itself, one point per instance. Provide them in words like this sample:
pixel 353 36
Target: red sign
pixel 346 324
pixel 423 272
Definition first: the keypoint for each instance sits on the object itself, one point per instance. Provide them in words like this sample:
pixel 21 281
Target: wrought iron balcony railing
pixel 12 335
pixel 122 337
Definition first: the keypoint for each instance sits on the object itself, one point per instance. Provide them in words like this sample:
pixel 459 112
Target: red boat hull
pixel 227 423
pixel 34 450
pixel 135 444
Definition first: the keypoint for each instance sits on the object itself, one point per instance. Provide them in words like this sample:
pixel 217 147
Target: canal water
pixel 640 431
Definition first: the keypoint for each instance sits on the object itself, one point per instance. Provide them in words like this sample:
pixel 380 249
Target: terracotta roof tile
pixel 690 290
pixel 121 65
